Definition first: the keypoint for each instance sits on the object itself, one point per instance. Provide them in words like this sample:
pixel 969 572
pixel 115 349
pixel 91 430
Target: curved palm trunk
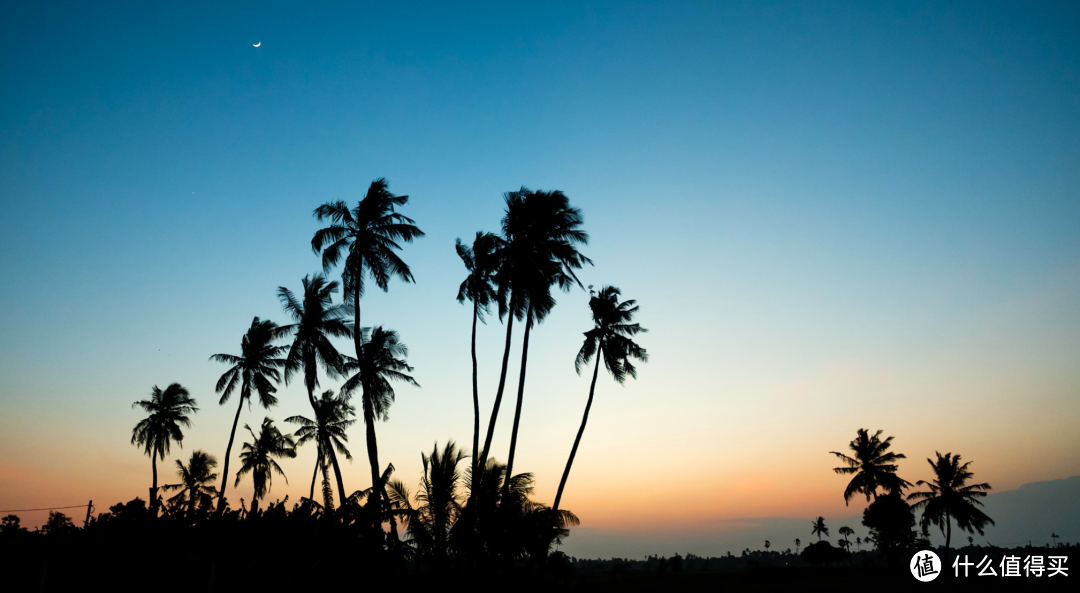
pixel 581 431
pixel 337 472
pixel 228 452
pixel 315 474
pixel 520 397
pixel 475 394
pixel 498 395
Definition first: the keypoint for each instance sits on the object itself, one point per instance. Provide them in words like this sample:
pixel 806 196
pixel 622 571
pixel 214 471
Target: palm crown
pixel 316 321
pixel 332 418
pixel 482 261
pixel 950 498
pixel 257 457
pixel 612 334
pixel 256 366
pixel 196 479
pixel 168 410
pixel 383 361
pixel 873 465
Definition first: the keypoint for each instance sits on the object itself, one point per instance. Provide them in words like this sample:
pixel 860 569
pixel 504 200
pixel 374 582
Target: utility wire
pixel 78 506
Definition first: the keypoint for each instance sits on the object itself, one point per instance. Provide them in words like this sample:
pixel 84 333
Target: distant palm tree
pixel 196 482
pixel 256 368
pixel 819 528
pixel 541 230
pixel 609 340
pixel 767 544
pixel 949 498
pixel 167 411
pixel 858 544
pixel 872 465
pixel 481 260
pixel 257 458
pixel 971 541
pixel 438 502
pixel 332 419
pixel 316 319
pixel 1055 537
pixel 846 532
pixel 383 360
pixel 798 543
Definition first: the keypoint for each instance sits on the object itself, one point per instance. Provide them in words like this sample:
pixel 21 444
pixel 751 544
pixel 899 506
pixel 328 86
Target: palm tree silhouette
pixel 383 360
pixel 332 419
pixel 316 321
pixel 608 340
pixel 949 498
pixel 167 411
pixel 256 368
pixel 196 482
pixel 872 465
pixel 819 528
pixel 845 532
pixel 481 260
pixel 1053 535
pixel 257 458
pixel 438 503
pixel 540 229
pixel 798 543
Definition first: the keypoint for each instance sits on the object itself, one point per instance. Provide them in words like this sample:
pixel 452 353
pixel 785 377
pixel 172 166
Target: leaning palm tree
pixel 481 260
pixel 316 319
pixel 257 458
pixel 255 369
pixel 541 230
pixel 332 418
pixel 168 410
pixel 819 528
pixel 383 360
pixel 610 341
pixel 950 498
pixel 196 482
pixel 873 465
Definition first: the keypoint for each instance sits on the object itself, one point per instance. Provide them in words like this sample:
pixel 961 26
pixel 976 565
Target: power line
pixel 78 506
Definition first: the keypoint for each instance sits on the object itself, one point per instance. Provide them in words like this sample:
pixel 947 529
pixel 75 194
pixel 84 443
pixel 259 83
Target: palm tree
pixel 438 503
pixel 541 231
pixel 845 532
pixel 481 260
pixel 949 498
pixel 383 360
pixel 167 411
pixel 332 419
pixel 767 544
pixel 872 465
pixel 819 528
pixel 316 321
pixel 256 368
pixel 610 341
pixel 257 457
pixel 798 542
pixel 196 482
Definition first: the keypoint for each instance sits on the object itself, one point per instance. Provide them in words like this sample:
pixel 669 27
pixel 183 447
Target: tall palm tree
pixel 950 498
pixel 257 457
pixel 481 260
pixel 383 360
pixel 255 369
pixel 196 482
pixel 610 341
pixel 168 410
pixel 316 319
pixel 819 528
pixel 541 230
pixel 332 419
pixel 873 465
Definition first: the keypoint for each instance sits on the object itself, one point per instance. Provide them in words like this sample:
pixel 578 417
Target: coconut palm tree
pixel 481 260
pixel 951 498
pixel 255 369
pixel 438 504
pixel 383 361
pixel 316 319
pixel 257 458
pixel 845 532
pixel 610 341
pixel 873 465
pixel 332 419
pixel 541 230
pixel 819 528
pixel 196 482
pixel 798 542
pixel 168 410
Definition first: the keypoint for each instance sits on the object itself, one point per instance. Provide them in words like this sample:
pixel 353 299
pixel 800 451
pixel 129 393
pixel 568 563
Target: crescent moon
pixel 257 44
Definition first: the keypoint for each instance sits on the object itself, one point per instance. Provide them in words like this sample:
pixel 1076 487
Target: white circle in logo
pixel 925 566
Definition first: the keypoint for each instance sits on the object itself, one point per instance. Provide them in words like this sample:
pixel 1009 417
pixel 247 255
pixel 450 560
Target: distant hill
pixel 1031 513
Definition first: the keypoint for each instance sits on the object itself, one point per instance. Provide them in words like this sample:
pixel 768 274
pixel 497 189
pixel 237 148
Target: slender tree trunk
pixel 228 452
pixel 328 492
pixel 337 472
pixel 475 396
pixel 373 459
pixel 520 398
pixel 948 531
pixel 581 431
pixel 153 488
pixel 498 393
pixel 318 464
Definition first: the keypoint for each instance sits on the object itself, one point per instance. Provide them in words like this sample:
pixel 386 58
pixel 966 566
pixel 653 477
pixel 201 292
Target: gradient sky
pixel 832 216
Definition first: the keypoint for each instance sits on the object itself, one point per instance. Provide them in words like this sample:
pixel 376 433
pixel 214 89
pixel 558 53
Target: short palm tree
pixel 819 528
pixel 316 320
pixel 168 410
pixel 951 498
pixel 332 418
pixel 256 369
pixel 610 341
pixel 257 457
pixel 196 482
pixel 438 503
pixel 873 465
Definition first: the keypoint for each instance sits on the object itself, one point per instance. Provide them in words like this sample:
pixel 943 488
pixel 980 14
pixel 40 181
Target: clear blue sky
pixel 833 215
